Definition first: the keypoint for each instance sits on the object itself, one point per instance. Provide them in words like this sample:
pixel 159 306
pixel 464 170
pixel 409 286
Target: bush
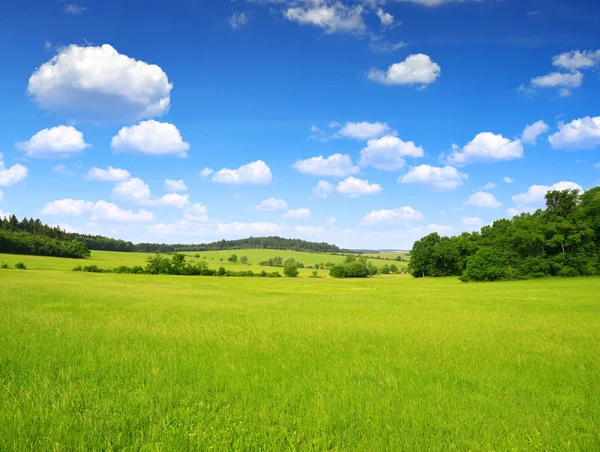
pixel 79 268
pixel 20 266
pixel 244 259
pixel 491 264
pixel 233 258
pixel 568 272
pixel 291 270
pixel 4 265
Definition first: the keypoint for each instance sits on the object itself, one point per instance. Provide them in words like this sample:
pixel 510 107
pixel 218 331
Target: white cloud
pixel 175 186
pixel 354 187
pixel 298 214
pixel 135 191
pixel 75 10
pixel 508 180
pixel 253 173
pixel 558 79
pixel 172 201
pixel 473 222
pixel 536 193
pixel 533 131
pixel 364 130
pixel 12 175
pixel 336 165
pixel 579 134
pixel 332 19
pixel 386 19
pixel 107 211
pixel 58 142
pixel 577 59
pixel 99 84
pixel 486 147
pixel 414 70
pixel 388 153
pixel 489 186
pixel 246 229
pixel 402 215
pixel 330 222
pixel 237 20
pixel 68 207
pixel 483 200
pixel 4 215
pixel 196 213
pixel 597 166
pixel 100 210
pixel 271 204
pixel 108 175
pixel 436 178
pixel 151 137
pixel 206 172
pixel 322 189
pixel 433 3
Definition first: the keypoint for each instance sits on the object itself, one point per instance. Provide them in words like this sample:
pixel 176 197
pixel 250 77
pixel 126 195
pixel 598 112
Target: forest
pixel 562 240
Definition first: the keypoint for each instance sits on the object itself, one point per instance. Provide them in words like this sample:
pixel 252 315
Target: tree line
pixel 561 240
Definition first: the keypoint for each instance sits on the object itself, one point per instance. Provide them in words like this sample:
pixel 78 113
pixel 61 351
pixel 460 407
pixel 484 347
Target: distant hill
pixel 273 243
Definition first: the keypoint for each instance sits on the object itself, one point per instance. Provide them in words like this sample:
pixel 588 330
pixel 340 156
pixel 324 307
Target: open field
pixel 105 361
pixel 110 259
pixel 391 255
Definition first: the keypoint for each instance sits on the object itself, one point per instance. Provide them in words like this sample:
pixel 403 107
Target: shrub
pixel 4 265
pixel 291 270
pixel 233 258
pixel 244 259
pixel 20 266
pixel 78 268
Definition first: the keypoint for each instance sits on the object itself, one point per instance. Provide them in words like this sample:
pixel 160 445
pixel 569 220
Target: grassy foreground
pixel 101 362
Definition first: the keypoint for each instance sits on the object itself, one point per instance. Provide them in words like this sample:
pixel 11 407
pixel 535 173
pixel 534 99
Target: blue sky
pixel 362 123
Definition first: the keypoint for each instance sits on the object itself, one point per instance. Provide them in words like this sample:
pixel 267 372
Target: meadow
pixel 215 259
pixel 138 362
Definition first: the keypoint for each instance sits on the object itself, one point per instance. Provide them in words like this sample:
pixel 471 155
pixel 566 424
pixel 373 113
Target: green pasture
pixel 111 259
pixel 166 363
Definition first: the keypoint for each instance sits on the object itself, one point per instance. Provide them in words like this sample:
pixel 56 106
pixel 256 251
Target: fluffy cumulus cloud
pixel 472 222
pixel 364 130
pixel 533 131
pixel 256 173
pixel 558 79
pixel 332 18
pixel 150 137
pixel 197 213
pixel 175 186
pixel 388 153
pixel 106 211
pixel 355 187
pixel 322 190
pixel 416 69
pixel 206 173
pixel 298 214
pixel 100 84
pixel 336 165
pixel 401 215
pixel 134 191
pixel 437 179
pixel 486 147
pixel 57 142
pixel 577 59
pixel 535 195
pixel 386 19
pixel 99 211
pixel 483 200
pixel 271 204
pixel 108 175
pixel 579 134
pixel 67 207
pixel 12 175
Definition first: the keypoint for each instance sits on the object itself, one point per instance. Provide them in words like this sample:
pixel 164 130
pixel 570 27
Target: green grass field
pixel 131 362
pixel 110 259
